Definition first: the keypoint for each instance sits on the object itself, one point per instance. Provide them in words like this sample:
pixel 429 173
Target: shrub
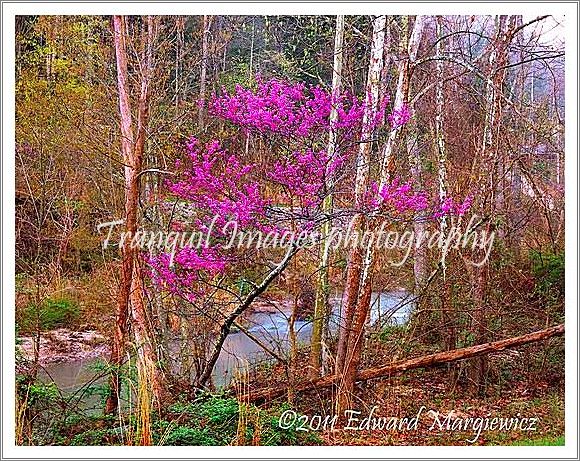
pixel 190 436
pixel 548 268
pixel 53 313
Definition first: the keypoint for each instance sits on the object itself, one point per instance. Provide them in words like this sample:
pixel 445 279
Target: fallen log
pixel 410 364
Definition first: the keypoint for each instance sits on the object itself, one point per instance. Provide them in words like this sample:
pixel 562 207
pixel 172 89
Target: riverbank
pixel 64 345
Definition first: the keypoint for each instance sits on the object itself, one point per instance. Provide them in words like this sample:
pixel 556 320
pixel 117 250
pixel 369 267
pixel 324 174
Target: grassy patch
pixel 543 441
pixel 52 313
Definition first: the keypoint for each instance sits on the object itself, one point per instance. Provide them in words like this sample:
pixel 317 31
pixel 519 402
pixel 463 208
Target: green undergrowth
pixel 208 421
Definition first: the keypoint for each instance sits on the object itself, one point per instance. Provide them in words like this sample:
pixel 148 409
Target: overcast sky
pixel 551 29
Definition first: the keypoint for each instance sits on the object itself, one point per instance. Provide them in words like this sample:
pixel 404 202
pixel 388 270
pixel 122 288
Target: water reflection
pixel 270 328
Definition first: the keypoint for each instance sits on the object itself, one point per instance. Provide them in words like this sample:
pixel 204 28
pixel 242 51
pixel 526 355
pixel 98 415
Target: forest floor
pixel 431 390
pixel 523 386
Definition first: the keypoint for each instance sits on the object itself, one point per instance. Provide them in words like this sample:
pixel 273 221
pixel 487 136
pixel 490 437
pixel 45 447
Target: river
pixel 270 328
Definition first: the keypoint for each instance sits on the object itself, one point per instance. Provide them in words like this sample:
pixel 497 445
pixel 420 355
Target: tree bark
pixel 447 316
pixel 321 308
pixel 122 308
pixel 387 159
pixel 203 75
pixel 420 257
pixel 350 332
pixel 439 127
pixel 364 263
pixel 489 159
pixel 130 297
pixel 425 361
pixel 179 29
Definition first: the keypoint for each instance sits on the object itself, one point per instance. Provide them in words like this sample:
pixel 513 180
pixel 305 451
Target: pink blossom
pixel 288 109
pixel 400 116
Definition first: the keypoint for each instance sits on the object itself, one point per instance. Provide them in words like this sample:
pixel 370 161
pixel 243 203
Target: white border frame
pixel 10 9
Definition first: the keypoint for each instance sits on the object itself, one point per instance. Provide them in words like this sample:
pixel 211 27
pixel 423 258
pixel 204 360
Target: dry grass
pixel 245 415
pixel 144 402
pixel 21 419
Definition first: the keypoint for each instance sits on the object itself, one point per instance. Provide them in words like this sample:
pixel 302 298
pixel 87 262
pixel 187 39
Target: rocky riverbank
pixel 64 345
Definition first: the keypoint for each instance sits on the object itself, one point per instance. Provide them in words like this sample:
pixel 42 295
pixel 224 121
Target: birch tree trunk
pixel 387 159
pixel 409 50
pixel 358 290
pixel 321 307
pixel 420 264
pixel 203 74
pixel 350 332
pixel 439 127
pixel 447 316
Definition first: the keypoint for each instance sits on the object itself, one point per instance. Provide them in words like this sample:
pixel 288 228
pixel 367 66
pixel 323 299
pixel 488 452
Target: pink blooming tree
pixel 222 195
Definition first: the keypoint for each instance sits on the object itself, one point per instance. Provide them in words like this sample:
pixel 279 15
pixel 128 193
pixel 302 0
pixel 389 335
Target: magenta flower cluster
pixel 450 207
pixel 189 266
pixel 400 116
pixel 291 109
pixel 218 189
pixel 396 197
pixel 303 175
pixel 218 183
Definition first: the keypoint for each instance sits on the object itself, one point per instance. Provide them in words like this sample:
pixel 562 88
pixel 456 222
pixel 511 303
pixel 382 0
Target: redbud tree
pixel 227 196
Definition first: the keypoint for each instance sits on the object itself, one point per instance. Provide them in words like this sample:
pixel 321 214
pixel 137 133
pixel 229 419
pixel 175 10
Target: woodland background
pixel 486 94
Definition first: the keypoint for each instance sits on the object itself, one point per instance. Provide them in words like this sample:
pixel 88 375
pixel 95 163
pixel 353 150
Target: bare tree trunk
pixel 488 166
pixel 293 353
pixel 420 257
pixel 250 74
pixel 203 76
pixel 350 332
pixel 251 67
pixel 516 215
pixel 439 128
pixel 409 50
pixel 387 159
pixel 354 344
pixel 131 289
pixel 350 295
pixel 321 308
pixel 122 312
pixel 447 317
pixel 179 26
